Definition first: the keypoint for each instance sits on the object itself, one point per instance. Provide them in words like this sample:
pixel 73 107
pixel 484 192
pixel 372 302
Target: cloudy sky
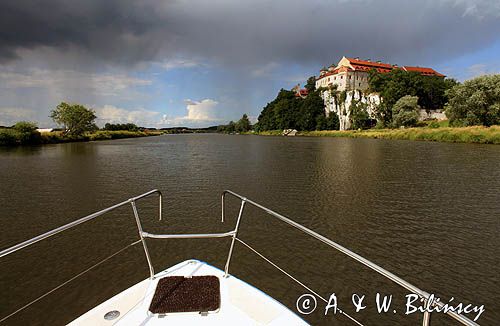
pixel 162 63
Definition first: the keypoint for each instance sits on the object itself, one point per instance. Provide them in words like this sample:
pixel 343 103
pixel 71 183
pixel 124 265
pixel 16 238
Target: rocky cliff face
pixel 341 105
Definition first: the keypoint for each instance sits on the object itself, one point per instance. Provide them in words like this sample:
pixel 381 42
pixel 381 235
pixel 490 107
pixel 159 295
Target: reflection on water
pixel 426 211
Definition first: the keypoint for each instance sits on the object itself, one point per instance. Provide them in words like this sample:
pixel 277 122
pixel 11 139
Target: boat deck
pixel 240 303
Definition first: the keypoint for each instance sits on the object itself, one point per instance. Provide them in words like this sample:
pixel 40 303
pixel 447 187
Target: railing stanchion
pixel 139 227
pixel 426 320
pixel 222 215
pixel 160 203
pixel 226 269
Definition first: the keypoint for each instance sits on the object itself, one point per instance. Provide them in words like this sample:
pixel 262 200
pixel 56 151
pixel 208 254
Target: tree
pixel 475 102
pixel 119 126
pixel 311 84
pixel 430 90
pixel 75 118
pixel 308 110
pixel 405 112
pixel 243 125
pixel 227 129
pixel 360 119
pixel 279 113
pixel 288 111
pixel 327 123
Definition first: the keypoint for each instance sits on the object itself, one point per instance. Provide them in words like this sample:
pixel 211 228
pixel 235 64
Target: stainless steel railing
pixel 410 287
pixel 234 238
pixel 87 218
pixel 70 225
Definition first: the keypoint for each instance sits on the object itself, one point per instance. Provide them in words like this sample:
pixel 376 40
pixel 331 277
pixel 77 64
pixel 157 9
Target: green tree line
pixel 242 125
pixel 430 91
pixel 76 121
pixel 404 94
pixel 288 111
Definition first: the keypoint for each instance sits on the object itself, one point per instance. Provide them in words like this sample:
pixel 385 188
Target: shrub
pixel 25 127
pixel 120 126
pixel 8 136
pixel 475 102
pixel 434 124
pixel 359 115
pixel 327 123
pixel 405 112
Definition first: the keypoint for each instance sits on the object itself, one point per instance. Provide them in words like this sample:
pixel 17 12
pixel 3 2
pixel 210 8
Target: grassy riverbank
pixel 481 135
pixel 12 137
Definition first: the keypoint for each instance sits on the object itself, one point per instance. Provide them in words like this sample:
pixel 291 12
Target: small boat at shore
pixel 194 292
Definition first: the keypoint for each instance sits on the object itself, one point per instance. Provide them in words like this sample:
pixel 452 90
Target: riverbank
pixel 477 134
pixel 12 137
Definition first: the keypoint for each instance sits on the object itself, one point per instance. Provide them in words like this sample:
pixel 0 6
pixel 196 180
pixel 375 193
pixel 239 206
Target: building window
pixel 359 84
pixel 341 77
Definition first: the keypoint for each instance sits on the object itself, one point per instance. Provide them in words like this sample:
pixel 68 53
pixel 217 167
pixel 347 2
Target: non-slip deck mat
pixel 182 294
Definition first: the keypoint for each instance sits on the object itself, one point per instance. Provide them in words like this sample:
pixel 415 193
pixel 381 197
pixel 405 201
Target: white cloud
pixel 477 8
pixel 180 64
pixel 113 114
pixel 9 116
pixel 204 110
pixel 199 113
pixel 480 69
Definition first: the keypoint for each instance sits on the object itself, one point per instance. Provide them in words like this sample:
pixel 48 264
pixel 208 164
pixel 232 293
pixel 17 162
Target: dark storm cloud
pixel 124 32
pixel 115 30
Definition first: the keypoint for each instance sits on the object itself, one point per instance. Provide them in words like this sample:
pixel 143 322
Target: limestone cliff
pixel 340 103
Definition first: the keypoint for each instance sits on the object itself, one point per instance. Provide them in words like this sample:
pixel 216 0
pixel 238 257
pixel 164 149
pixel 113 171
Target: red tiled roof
pixel 423 70
pixel 369 63
pixel 327 74
pixel 363 65
pixel 302 92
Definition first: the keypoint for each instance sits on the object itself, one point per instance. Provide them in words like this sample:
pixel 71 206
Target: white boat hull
pixel 241 303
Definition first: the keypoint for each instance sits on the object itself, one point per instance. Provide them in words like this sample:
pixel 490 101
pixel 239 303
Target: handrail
pixel 68 281
pixel 187 236
pixel 84 219
pixel 234 235
pixel 412 288
pixel 70 225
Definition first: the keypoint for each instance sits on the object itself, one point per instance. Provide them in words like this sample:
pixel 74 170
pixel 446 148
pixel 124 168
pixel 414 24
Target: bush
pixel 475 102
pixel 27 133
pixel 405 112
pixel 360 119
pixel 25 127
pixel 434 124
pixel 120 126
pixel 8 136
pixel 327 123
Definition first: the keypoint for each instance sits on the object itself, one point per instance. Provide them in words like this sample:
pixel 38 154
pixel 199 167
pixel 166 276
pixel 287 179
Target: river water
pixel 428 212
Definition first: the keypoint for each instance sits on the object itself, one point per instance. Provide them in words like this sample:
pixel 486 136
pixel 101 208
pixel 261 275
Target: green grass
pixel 477 134
pixel 264 133
pixel 12 137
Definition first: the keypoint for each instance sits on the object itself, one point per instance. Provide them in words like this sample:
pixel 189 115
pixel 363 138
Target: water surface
pixel 428 212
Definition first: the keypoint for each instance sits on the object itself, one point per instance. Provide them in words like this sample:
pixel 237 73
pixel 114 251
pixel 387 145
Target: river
pixel 428 212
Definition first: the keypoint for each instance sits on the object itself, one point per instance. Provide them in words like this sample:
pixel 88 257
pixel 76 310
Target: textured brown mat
pixel 181 294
